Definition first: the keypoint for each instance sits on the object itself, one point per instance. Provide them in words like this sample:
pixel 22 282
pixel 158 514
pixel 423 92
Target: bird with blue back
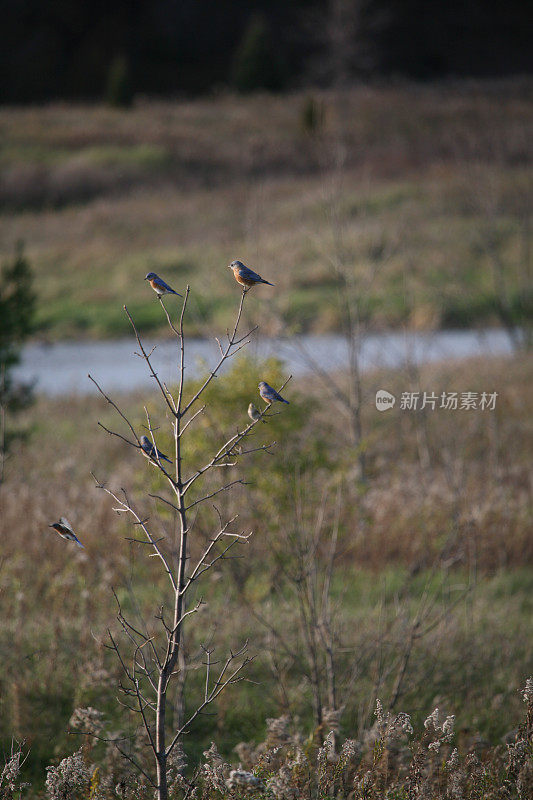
pixel 159 286
pixel 64 529
pixel 268 394
pixel 246 276
pixel 152 451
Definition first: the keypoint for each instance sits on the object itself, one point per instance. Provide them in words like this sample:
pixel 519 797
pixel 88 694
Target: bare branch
pixel 135 764
pixel 153 373
pixel 182 355
pixel 168 317
pixel 119 412
pixel 220 684
pixel 164 500
pixel 126 507
pixel 118 435
pixel 217 491
pixel 232 342
pixel 202 408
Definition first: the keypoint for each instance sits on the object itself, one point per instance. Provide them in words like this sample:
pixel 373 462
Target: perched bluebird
pixel 159 286
pixel 245 276
pixel 64 529
pixel 269 394
pixel 254 413
pixel 152 451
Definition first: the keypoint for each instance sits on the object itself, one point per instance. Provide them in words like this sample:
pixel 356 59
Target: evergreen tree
pixel 17 307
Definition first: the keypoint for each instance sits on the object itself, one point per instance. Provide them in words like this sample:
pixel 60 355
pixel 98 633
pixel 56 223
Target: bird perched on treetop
pixel 64 529
pixel 152 451
pixel 255 414
pixel 159 286
pixel 269 394
pixel 245 276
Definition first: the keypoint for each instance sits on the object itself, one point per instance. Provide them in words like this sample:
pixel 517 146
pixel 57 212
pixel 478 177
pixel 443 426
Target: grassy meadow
pixel 421 191
pixel 408 205
pixel 435 549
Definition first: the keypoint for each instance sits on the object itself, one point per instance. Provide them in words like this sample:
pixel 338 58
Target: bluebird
pixel 269 394
pixel 245 276
pixel 159 286
pixel 152 451
pixel 255 414
pixel 64 529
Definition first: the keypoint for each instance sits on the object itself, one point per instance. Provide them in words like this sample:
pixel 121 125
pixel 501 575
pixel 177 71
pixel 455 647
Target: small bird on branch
pixel 268 394
pixel 152 451
pixel 254 413
pixel 245 276
pixel 159 286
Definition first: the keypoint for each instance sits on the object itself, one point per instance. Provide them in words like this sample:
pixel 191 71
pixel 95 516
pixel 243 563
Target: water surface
pixel 63 367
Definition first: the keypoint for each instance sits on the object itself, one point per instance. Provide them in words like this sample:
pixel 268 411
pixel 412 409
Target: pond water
pixel 63 368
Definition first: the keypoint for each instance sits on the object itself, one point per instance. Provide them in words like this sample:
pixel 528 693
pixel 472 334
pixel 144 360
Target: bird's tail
pixel 79 544
pixel 267 282
pixel 285 401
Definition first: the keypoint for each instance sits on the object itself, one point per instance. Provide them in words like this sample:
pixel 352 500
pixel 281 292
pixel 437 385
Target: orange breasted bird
pixel 246 276
pixel 64 529
pixel 159 286
pixel 268 394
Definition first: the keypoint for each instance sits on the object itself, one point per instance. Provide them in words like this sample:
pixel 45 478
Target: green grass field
pixel 419 195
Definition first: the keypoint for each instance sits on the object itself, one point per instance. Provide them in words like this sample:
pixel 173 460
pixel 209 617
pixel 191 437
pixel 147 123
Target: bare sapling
pixel 151 656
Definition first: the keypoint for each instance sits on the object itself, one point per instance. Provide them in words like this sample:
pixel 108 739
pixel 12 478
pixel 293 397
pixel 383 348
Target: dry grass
pixel 99 196
pixel 392 761
pixel 449 539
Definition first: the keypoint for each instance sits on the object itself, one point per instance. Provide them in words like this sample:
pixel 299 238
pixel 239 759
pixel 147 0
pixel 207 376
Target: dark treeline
pixel 85 49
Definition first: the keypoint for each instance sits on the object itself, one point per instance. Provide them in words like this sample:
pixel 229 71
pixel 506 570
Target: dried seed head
pixel 278 730
pixel 433 720
pixel 240 777
pixel 69 778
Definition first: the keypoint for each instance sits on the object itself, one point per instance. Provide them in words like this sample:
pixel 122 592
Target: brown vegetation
pixel 434 177
pixel 430 592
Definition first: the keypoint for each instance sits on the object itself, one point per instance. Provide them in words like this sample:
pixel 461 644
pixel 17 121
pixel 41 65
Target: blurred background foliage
pixel 87 50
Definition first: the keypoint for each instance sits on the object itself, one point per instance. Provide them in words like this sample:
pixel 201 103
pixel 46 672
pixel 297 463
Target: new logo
pixel 384 400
